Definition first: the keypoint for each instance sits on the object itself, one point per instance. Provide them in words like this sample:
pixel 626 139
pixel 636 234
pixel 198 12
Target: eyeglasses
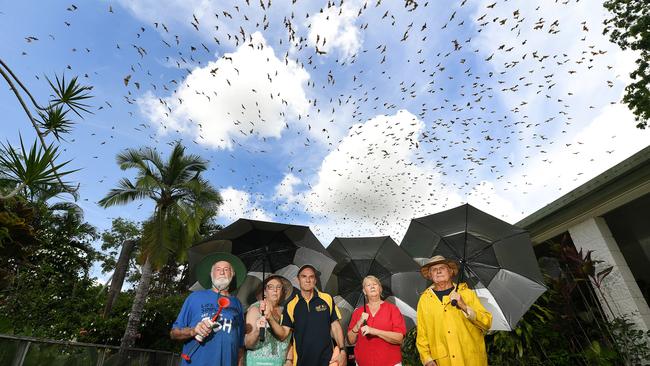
pixel 272 288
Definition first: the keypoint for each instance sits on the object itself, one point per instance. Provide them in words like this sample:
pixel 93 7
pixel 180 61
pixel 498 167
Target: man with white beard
pixel 223 340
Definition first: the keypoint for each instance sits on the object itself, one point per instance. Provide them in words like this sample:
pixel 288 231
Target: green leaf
pixel 125 192
pixel 71 94
pixel 36 168
pixel 53 120
pixel 604 273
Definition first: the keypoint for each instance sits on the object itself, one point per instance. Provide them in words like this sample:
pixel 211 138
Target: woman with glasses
pixel 377 328
pixel 270 351
pixel 450 332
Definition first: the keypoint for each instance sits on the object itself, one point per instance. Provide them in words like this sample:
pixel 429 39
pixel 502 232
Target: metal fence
pixel 28 351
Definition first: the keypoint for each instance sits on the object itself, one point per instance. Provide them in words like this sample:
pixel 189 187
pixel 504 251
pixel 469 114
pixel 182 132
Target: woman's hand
pixel 364 317
pixel 266 307
pixel 366 330
pixel 261 323
pixel 362 320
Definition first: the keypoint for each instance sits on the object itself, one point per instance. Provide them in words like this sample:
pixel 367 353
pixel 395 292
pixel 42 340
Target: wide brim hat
pixel 287 287
pixel 438 259
pixel 204 268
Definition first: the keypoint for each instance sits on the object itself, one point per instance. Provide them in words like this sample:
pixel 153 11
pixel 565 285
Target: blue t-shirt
pixel 221 347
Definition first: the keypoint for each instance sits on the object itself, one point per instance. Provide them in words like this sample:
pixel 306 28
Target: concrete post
pixel 620 289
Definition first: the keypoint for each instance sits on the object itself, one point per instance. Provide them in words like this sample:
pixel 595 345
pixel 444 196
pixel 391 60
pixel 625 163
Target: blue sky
pixel 398 115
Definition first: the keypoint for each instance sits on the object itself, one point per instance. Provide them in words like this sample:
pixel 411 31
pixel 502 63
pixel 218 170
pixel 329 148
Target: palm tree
pixel 49 119
pixel 119 274
pixel 183 199
pixel 32 172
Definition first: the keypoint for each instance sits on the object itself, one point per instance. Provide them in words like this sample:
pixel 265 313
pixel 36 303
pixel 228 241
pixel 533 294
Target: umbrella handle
pixel 262 336
pixel 454 302
pixel 365 310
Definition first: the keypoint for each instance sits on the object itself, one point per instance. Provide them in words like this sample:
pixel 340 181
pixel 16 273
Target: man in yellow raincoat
pixel 450 335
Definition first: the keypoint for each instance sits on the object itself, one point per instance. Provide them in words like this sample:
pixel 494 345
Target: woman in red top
pixel 378 329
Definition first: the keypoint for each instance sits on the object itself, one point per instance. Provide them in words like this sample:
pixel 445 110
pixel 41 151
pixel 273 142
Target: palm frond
pixel 126 192
pixel 191 217
pixel 135 159
pixel 158 238
pixel 45 192
pixel 152 156
pixel 71 94
pixel 131 159
pixel 149 183
pixel 201 191
pixel 70 208
pixel 53 120
pixel 181 168
pixel 35 168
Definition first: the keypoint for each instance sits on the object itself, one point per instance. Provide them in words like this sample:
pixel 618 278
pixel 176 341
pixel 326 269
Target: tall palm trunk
pixel 131 332
pixel 121 268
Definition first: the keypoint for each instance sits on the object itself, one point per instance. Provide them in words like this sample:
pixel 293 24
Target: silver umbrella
pixel 496 258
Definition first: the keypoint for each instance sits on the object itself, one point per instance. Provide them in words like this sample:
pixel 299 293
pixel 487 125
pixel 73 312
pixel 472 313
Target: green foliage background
pixel 46 288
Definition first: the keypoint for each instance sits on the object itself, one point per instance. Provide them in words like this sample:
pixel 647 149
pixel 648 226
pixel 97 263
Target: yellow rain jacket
pixel 449 336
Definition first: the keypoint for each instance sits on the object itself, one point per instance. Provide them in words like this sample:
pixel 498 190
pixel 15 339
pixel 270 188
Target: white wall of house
pixel 620 289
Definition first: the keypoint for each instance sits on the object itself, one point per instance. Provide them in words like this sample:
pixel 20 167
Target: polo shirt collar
pixel 315 295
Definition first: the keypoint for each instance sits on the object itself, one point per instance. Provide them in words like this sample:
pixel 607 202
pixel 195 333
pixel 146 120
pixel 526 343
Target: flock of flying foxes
pixel 474 98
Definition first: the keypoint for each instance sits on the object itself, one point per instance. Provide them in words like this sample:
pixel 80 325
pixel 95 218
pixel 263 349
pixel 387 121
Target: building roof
pixel 616 186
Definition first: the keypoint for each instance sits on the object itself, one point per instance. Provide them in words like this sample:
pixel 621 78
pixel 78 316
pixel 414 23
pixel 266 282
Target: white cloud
pixel 238 204
pixel 555 58
pixel 376 181
pixel 485 197
pixel 574 73
pixel 244 94
pixel 570 162
pixel 335 28
pixel 178 15
pixel 625 63
pixel 285 191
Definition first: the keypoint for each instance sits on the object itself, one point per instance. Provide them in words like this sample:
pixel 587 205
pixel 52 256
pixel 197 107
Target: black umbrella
pixel 267 247
pixel 381 257
pixel 496 258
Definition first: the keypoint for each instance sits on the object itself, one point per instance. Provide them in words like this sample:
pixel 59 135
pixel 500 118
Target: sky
pixel 351 117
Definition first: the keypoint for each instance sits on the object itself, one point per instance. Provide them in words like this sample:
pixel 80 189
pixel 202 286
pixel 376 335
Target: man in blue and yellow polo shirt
pixel 314 319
